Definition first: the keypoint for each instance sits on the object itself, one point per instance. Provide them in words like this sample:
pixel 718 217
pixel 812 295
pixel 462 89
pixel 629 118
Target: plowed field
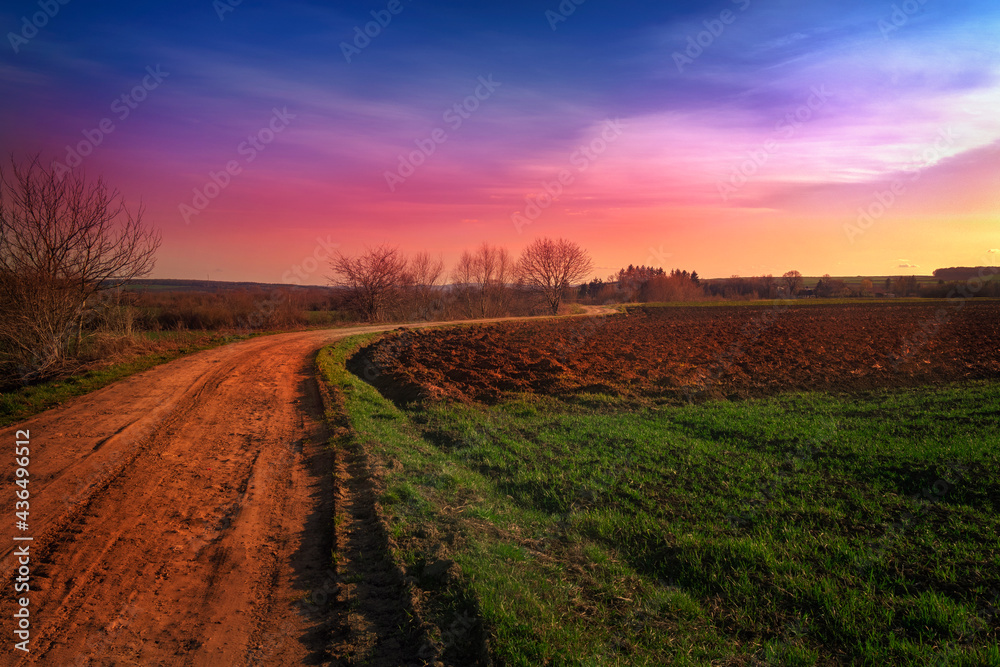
pixel 690 352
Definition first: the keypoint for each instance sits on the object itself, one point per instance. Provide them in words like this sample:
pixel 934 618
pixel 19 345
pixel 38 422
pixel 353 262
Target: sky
pixel 730 137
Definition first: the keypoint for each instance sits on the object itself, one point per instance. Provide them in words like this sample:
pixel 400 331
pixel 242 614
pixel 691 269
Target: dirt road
pixel 180 516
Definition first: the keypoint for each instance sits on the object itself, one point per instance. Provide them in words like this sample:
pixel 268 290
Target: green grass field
pixel 796 530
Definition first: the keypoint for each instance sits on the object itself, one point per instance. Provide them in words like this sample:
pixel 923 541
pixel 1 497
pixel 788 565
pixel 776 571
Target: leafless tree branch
pixel 374 279
pixel 550 267
pixel 62 241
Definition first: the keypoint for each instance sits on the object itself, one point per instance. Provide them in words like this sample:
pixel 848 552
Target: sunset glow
pixel 745 136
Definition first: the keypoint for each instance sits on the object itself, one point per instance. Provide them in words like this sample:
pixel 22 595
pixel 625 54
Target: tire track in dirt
pixel 133 437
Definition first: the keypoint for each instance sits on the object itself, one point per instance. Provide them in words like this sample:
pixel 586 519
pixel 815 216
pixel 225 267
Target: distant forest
pixel 964 272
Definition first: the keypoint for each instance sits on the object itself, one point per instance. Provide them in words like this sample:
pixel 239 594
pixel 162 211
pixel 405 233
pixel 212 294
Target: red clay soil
pixel 692 352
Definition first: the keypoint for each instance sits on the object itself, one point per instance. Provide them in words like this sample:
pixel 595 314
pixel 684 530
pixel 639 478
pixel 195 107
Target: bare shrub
pixel 63 241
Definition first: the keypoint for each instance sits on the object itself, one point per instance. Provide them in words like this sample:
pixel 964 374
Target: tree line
pixel 643 284
pixel 382 283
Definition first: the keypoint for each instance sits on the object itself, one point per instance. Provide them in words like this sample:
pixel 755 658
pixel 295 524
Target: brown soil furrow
pixel 681 354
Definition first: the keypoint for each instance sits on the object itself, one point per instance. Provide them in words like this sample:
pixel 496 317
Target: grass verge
pixel 802 529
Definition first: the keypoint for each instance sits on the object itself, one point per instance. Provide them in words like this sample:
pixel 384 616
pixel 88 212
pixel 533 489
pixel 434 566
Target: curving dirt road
pixel 178 515
pixel 181 516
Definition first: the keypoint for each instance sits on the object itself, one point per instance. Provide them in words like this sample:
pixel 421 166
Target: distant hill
pixel 810 281
pixel 211 286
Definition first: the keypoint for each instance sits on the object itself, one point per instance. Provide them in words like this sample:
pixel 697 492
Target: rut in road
pixel 376 621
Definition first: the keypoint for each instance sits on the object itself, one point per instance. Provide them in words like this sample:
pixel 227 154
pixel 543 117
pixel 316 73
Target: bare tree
pixel 424 273
pixel 483 278
pixel 906 286
pixel 793 280
pixel 767 284
pixel 550 268
pixel 374 279
pixel 63 241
